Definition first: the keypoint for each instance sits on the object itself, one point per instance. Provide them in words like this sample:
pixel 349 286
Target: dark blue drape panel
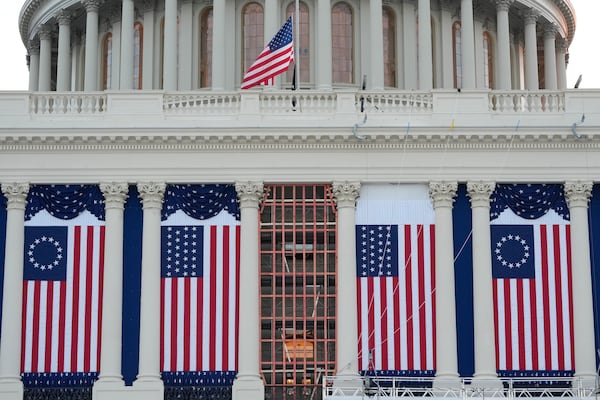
pixel 132 271
pixel 2 247
pixel 594 215
pixel 65 201
pixel 463 275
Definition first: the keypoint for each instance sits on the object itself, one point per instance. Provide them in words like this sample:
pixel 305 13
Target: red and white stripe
pixel 534 317
pixel 62 319
pixel 199 315
pixel 397 314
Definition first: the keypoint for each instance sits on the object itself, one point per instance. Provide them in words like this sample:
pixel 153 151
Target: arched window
pixel 253 34
pixel 138 43
pixel 488 61
pixel 206 46
pixel 342 31
pixel 389 47
pixel 304 57
pixel 457 54
pixel 107 61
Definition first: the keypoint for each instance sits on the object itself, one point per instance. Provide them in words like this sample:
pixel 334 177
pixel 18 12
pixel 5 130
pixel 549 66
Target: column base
pixel 585 380
pixel 487 383
pixel 248 387
pixel 110 389
pixel 445 384
pixel 349 384
pixel 11 389
pixel 146 388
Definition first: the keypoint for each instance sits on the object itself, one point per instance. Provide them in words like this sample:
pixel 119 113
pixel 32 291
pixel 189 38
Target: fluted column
pixel 152 194
pixel 503 79
pixel 578 195
pixel 248 384
pixel 218 55
pixel 109 377
pixel 467 43
pixel 531 64
pixel 324 60
pixel 170 47
pixel 550 82
pixel 375 79
pixel 148 54
pixel 411 80
pixel 184 79
pixel 63 67
pixel 11 386
pixel 127 46
pixel 345 194
pixel 34 64
pixel 483 304
pixel 91 45
pixel 561 64
pixel 447 8
pixel 442 195
pixel 425 46
pixel 45 78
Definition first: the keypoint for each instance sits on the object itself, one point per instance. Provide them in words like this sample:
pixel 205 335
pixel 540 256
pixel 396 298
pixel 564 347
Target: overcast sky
pixel 584 51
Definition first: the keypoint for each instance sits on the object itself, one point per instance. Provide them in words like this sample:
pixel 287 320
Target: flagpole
pixel 297 50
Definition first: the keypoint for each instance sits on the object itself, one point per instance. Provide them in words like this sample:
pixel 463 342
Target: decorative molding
pixel 503 5
pixel 152 194
pixel 64 17
pixel 16 194
pixel 531 16
pixel 115 194
pixel 92 5
pixel 479 193
pixel 250 193
pixel 346 193
pixel 578 193
pixel 33 47
pixel 46 32
pixel 442 193
pixel 550 30
pixel 148 5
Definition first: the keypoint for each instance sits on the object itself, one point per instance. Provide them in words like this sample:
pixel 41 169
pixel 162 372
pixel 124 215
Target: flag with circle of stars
pixel 377 250
pixel 513 254
pixel 45 253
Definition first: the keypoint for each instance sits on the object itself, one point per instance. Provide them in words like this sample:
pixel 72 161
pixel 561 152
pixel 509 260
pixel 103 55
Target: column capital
pixel 33 47
pixel 503 5
pixel 550 30
pixel 448 5
pixel 249 193
pixel 480 192
pixel 46 32
pixel 442 193
pixel 152 194
pixel 531 16
pixel 64 17
pixel 346 193
pixel 16 194
pixel 561 45
pixel 115 194
pixel 578 193
pixel 148 5
pixel 92 5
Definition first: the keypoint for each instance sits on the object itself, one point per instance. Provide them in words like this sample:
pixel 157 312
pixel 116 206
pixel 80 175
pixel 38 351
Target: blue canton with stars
pixel 529 201
pixel 512 251
pixel 45 253
pixel 283 37
pixel 181 255
pixel 376 250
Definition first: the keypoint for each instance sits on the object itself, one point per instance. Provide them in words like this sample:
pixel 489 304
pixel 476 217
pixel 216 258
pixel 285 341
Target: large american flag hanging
pixel 62 295
pixel 533 298
pixel 395 281
pixel 199 287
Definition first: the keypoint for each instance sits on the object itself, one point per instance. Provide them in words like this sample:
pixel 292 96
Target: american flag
pixel 396 303
pixel 62 298
pixel 199 287
pixel 273 60
pixel 533 299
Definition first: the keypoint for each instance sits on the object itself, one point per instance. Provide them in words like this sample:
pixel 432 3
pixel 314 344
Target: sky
pixel 584 55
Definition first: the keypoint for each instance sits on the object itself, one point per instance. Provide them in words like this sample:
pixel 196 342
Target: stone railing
pixel 202 103
pixel 71 103
pixel 518 101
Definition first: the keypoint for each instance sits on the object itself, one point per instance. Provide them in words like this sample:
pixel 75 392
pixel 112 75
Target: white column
pixel 148 377
pixel 185 39
pixel 483 304
pixel 63 68
pixel 503 78
pixel 447 7
pixel 148 54
pixel 248 384
pixel 468 44
pixel 442 195
pixel 91 45
pixel 578 195
pixel 127 21
pixel 411 76
pixel 11 386
pixel 324 53
pixel 109 377
pixel 561 64
pixel 34 64
pixel 45 78
pixel 375 79
pixel 272 23
pixel 425 46
pixel 550 81
pixel 170 46
pixel 531 63
pixel 345 194
pixel 218 55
